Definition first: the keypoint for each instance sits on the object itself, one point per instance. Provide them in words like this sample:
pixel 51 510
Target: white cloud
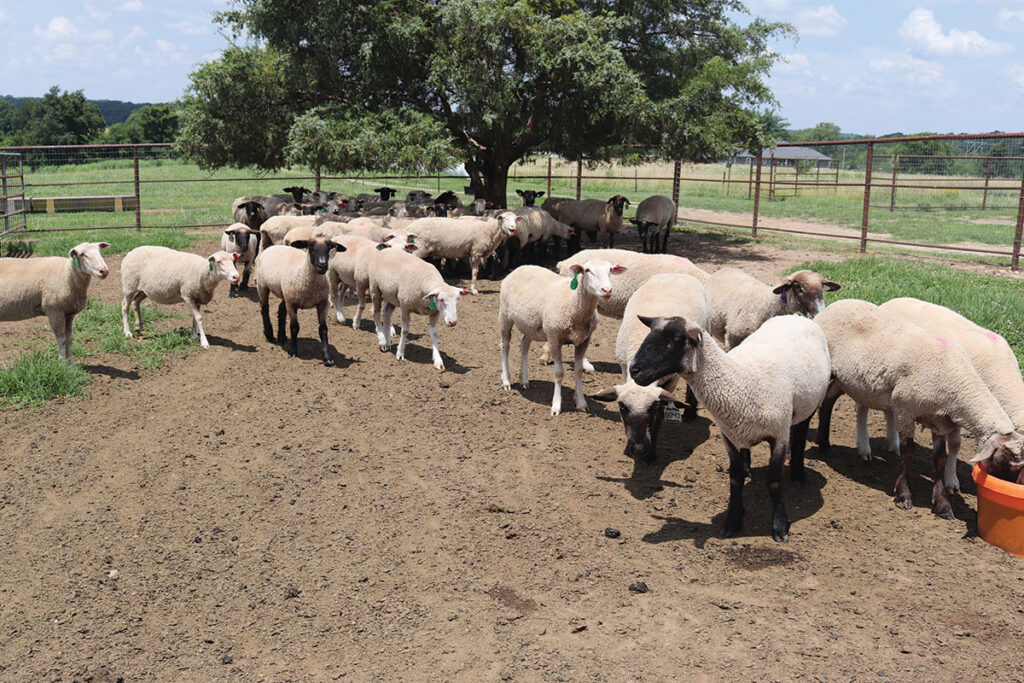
pixel 190 28
pixel 756 6
pixel 128 38
pixel 921 30
pixel 824 21
pixel 131 6
pixel 909 69
pixel 1016 74
pixel 793 63
pixel 59 28
pixel 1011 18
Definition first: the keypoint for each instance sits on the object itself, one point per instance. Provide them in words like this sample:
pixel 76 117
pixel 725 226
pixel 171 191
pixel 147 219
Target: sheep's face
pixel 242 237
pixel 445 301
pixel 479 206
pixel 87 256
pixel 671 346
pixel 297 193
pixel 386 193
pixel 1005 454
pixel 642 409
pixel 804 292
pixel 254 212
pixel 562 230
pixel 529 196
pixel 596 276
pixel 618 204
pixel 223 264
pixel 509 222
pixel 319 250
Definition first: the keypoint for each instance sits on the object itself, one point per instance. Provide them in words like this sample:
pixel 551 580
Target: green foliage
pixel 57 119
pixel 155 122
pixel 39 376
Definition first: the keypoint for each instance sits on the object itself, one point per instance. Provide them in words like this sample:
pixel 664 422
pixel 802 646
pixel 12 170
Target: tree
pixel 57 119
pixel 154 123
pixel 496 80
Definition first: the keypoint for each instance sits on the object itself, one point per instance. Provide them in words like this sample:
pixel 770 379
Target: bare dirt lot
pixel 236 515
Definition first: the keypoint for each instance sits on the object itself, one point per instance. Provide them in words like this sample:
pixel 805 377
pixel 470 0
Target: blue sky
pixel 871 67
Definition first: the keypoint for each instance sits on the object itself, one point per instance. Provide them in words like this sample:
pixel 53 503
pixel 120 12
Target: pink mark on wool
pixel 993 336
pixel 944 342
pixel 680 259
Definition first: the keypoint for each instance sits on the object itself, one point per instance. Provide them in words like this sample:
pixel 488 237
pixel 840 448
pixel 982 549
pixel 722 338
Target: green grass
pixel 98 328
pixel 120 241
pixel 996 303
pixel 39 376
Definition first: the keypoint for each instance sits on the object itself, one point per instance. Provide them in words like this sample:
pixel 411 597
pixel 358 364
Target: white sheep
pixel 296 274
pixel 349 270
pixel 655 214
pixel 168 276
pixel 275 228
pixel 765 389
pixel 475 238
pixel 884 362
pixel 642 407
pixel 240 239
pixel 410 284
pixel 538 227
pixel 559 310
pixel 739 303
pixel 52 286
pixel 594 216
pixel 990 355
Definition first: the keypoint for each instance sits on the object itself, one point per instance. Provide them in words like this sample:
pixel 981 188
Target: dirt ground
pixel 236 515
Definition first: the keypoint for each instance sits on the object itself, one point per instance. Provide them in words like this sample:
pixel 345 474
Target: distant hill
pixel 113 111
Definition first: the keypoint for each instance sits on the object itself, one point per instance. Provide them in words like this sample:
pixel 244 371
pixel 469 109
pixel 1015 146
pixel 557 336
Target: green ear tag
pixel 381 247
pixel 74 262
pixel 575 283
pixel 412 240
pixel 211 266
pixel 433 303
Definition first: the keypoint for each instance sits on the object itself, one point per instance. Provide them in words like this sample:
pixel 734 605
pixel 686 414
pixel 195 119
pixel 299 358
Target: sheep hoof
pixel 439 366
pixel 506 386
pixel 291 354
pixel 906 504
pixel 588 367
pixel 328 362
pixel 866 457
pixel 525 385
pixel 944 511
pixel 780 538
pixel 340 318
pixel 953 486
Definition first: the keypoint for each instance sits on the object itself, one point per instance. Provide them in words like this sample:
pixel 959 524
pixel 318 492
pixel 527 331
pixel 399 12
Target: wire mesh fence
pixel 955 193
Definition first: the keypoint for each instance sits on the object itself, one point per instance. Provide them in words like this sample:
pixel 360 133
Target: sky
pixel 871 67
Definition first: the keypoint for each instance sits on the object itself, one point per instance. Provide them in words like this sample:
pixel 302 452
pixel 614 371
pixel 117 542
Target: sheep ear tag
pixel 575 281
pixel 74 262
pixel 433 303
pixel 211 265
pixel 784 297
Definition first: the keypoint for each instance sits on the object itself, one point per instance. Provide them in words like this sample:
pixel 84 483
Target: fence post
pixel 317 172
pixel 677 173
pixel 138 199
pixel 984 195
pixel 549 175
pixel 728 185
pixel 3 193
pixel 867 198
pixel 579 175
pixel 892 192
pixel 757 195
pixel 750 179
pixel 1015 262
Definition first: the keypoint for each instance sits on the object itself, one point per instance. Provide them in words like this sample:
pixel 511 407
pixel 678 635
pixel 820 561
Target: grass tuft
pixel 98 328
pixel 39 376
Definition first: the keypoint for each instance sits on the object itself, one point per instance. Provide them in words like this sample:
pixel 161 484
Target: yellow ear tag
pixel 433 303
pixel 574 284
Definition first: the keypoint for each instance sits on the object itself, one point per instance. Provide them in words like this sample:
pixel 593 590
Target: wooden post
pixel 549 175
pixel 867 198
pixel 892 191
pixel 317 172
pixel 138 199
pixel 750 179
pixel 728 185
pixel 677 173
pixel 1015 262
pixel 757 195
pixel 988 174
pixel 579 175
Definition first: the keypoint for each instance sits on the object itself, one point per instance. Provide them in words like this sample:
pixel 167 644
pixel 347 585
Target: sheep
pixel 476 238
pixel 990 355
pixel 381 193
pixel 276 227
pixel 168 276
pixel 594 216
pixel 655 214
pixel 886 363
pixel 477 208
pixel 350 270
pixel 538 227
pixel 417 196
pixel 401 280
pixel 244 241
pixel 52 286
pixel 559 310
pixel 295 274
pixel 529 196
pixel 250 213
pixel 738 303
pixel 765 389
pixel 642 407
pixel 552 204
pixel 449 200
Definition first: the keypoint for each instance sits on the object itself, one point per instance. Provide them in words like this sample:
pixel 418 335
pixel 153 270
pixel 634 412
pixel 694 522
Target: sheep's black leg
pixel 642 232
pixel 690 411
pixel 282 311
pixel 664 239
pixel 592 234
pixel 746 463
pixel 268 329
pixel 734 513
pixel 232 291
pixel 321 312
pixel 293 347
pixel 780 521
pixel 825 415
pixel 573 245
pixel 556 247
pixel 901 492
pixel 245 279
pixel 797 443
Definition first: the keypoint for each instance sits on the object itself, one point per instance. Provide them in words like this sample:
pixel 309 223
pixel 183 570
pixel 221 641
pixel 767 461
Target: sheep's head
pixel 444 301
pixel 386 193
pixel 223 264
pixel 804 292
pixel 509 222
pixel 1004 453
pixel 480 205
pixel 298 193
pixel 447 199
pixel 254 213
pixel 642 409
pixel 596 277
pixel 529 196
pixel 618 204
pixel 319 249
pixel 671 346
pixel 86 257
pixel 240 235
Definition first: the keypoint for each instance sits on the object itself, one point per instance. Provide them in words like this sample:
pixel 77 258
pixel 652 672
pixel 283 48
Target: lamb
pixel 459 237
pixel 276 227
pixel 52 286
pixel 886 363
pixel 642 407
pixel 168 276
pixel 738 303
pixel 529 196
pixel 655 214
pixel 401 280
pixel 594 216
pixel 250 213
pixel 990 355
pixel 765 389
pixel 295 274
pixel 559 310
pixel 244 241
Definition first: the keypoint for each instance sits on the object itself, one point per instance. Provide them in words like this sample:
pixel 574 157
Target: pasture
pixel 233 514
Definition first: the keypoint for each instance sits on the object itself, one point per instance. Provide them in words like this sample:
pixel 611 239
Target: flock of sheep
pixel 758 368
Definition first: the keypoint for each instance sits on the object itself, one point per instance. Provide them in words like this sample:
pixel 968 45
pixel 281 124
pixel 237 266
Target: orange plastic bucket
pixel 1000 511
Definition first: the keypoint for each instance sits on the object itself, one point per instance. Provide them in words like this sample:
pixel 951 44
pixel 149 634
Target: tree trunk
pixel 488 178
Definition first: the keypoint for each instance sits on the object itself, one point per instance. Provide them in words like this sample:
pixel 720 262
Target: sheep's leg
pixel 232 291
pixel 545 357
pixel 656 422
pixel 69 321
pixel 377 323
pixel 734 513
pixel 197 321
pixel 360 305
pixel 436 352
pixel 474 268
pixel 524 367
pixel 505 329
pixel 321 316
pixel 387 329
pixel 892 436
pixel 952 452
pixel 863 443
pixel 400 351
pixel 57 324
pixel 641 230
pixel 664 238
pixel 901 492
pixel 246 272
pixel 940 501
pixel 556 399
pixel 825 415
pixel 268 328
pixel 690 411
pixel 293 327
pixel 625 372
pixel 611 240
pixel 336 288
pixel 579 360
pixel 137 303
pixel 780 521
pixel 797 444
pixel 282 311
pixel 126 306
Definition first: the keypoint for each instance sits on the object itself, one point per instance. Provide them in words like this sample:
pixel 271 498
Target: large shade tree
pixel 483 81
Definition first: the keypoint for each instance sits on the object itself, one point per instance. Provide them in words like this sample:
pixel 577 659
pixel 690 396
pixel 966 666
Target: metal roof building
pixel 787 156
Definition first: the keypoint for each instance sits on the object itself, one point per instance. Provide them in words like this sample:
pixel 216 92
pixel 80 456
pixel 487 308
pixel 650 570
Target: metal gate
pixel 12 194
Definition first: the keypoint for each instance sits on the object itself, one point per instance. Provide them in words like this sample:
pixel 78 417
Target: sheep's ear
pixel 988 449
pixel 73 253
pixel 576 268
pixel 434 292
pixel 464 292
pixel 830 286
pixel 646 320
pixel 606 396
pixel 783 287
pixel 616 269
pixel 338 247
pixel 668 397
pixel 694 333
pixel 519 192
pixel 301 244
pixel 538 194
pixel 103 245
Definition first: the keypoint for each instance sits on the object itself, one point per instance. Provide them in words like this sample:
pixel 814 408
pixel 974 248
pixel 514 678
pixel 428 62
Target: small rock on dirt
pixel 612 533
pixel 638 587
pixel 227 659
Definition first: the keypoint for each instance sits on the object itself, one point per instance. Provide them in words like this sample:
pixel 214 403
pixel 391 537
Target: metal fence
pixel 12 193
pixel 955 193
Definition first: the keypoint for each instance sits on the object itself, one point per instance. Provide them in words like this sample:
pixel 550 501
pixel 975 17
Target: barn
pixel 788 156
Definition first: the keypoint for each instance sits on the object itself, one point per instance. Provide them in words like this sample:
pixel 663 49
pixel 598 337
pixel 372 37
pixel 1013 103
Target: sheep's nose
pixel 234 278
pixel 452 324
pixel 103 272
pixel 606 292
